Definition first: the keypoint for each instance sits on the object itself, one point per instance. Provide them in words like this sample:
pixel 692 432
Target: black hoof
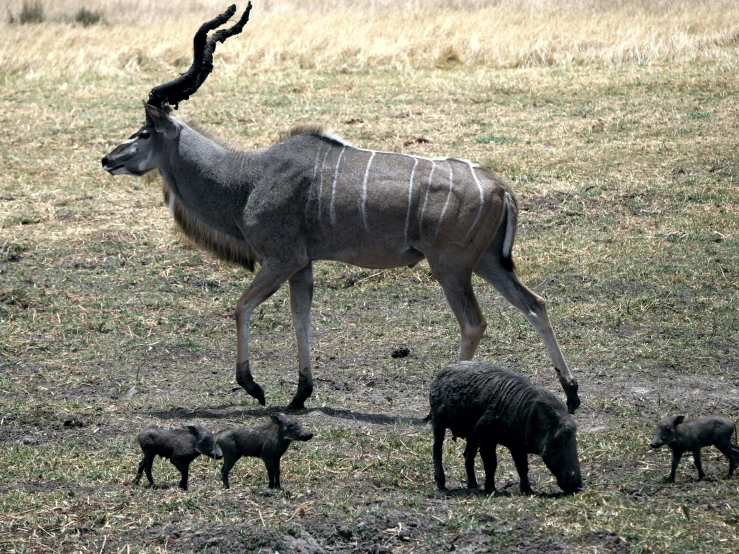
pixel 573 400
pixel 258 393
pixel 246 381
pixel 305 389
pixel 296 404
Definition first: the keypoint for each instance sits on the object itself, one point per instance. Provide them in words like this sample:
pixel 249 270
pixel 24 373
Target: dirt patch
pixel 606 541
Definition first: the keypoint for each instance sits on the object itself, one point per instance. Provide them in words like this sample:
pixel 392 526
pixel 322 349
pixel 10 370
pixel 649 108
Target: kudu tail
pixel 510 213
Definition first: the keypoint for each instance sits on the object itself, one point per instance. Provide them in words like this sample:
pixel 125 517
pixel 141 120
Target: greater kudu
pixel 314 196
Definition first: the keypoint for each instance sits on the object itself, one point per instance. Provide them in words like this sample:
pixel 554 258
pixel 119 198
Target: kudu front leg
pixel 301 296
pixel 265 283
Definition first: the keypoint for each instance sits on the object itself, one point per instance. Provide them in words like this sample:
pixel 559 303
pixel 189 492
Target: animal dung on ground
pixel 400 352
pixel 683 435
pixel 489 405
pixel 268 442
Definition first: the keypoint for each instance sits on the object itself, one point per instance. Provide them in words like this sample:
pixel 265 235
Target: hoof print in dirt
pixel 400 352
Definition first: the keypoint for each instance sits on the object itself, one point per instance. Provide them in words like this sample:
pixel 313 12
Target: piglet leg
pixel 676 455
pixel 697 462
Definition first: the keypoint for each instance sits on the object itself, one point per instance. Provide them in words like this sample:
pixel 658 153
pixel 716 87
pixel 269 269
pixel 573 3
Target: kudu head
pixel 143 150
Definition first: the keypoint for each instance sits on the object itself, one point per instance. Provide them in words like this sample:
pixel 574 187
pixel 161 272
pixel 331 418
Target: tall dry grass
pixel 151 35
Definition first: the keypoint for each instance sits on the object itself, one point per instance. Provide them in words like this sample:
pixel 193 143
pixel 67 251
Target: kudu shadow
pixel 231 411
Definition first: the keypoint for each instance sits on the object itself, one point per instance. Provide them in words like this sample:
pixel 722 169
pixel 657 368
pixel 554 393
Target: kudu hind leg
pixel 301 296
pixel 265 283
pixel 534 309
pixel 461 299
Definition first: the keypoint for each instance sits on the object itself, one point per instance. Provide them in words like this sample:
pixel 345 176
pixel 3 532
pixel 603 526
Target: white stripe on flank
pixel 364 189
pixel 448 197
pixel 428 188
pixel 313 180
pixel 482 198
pixel 315 165
pixel 333 187
pixel 508 242
pixel 410 199
pixel 320 184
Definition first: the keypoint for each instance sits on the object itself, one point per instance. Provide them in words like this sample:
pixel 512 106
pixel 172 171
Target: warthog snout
pixel 571 483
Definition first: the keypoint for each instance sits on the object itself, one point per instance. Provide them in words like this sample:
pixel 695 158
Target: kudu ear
pixel 161 121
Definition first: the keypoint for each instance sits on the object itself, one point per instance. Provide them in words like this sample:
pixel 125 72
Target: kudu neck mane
pixel 225 246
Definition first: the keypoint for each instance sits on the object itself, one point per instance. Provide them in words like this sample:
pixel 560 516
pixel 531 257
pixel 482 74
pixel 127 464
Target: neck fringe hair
pixel 224 247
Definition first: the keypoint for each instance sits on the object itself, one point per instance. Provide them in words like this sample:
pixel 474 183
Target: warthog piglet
pixel 682 434
pixel 181 446
pixel 489 405
pixel 268 442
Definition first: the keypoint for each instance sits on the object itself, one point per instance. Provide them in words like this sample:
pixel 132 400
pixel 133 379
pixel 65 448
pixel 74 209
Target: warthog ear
pixel 564 434
pixel 679 419
pixel 194 430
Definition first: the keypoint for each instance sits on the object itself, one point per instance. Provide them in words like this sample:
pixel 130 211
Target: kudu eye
pixel 145 134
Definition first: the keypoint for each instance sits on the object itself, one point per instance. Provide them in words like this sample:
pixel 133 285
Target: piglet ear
pixel 194 430
pixel 679 419
pixel 276 419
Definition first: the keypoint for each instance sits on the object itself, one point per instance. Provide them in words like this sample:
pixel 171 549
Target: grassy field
pixel 616 124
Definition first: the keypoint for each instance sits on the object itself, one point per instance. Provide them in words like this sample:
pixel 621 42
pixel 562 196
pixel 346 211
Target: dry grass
pixel 146 35
pixel 620 138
